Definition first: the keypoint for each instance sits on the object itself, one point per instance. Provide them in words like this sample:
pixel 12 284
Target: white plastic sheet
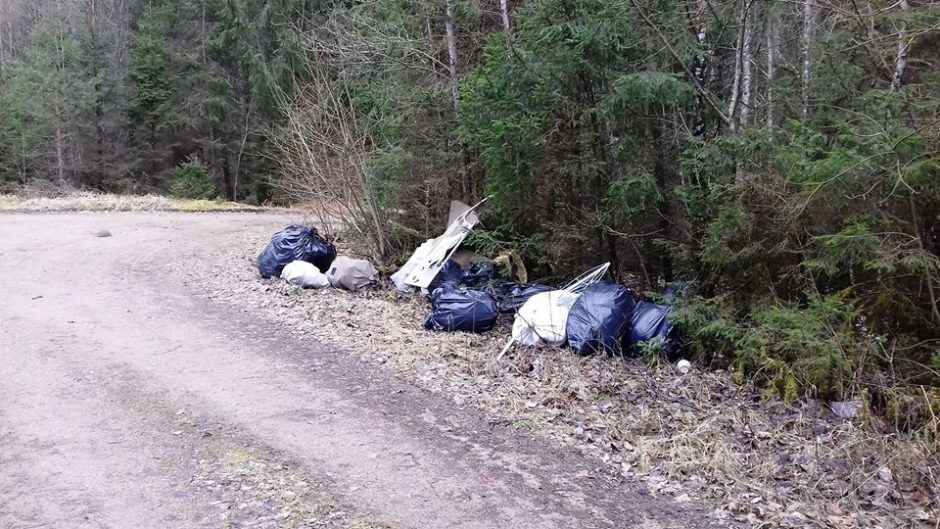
pixel 304 274
pixel 428 259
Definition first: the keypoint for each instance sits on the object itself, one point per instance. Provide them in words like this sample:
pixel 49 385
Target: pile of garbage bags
pixel 590 316
pixel 300 256
pixel 602 317
pixel 295 243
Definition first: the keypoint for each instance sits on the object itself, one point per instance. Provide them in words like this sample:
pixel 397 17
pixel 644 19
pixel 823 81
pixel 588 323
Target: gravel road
pixel 128 402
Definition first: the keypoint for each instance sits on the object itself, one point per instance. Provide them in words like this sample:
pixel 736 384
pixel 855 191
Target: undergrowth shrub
pixel 191 179
pixel 814 349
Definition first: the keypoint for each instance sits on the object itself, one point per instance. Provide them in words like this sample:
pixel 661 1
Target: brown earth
pixel 128 402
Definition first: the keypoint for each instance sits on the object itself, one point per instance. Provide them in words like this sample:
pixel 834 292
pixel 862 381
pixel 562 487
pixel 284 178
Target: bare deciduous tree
pixel 900 63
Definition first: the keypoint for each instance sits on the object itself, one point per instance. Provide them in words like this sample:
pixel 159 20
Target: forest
pixel 779 157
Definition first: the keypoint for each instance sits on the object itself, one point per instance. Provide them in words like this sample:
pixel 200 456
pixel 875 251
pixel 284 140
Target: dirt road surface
pixel 128 402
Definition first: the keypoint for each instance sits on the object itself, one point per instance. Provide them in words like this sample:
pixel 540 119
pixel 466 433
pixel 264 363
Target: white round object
pixel 684 366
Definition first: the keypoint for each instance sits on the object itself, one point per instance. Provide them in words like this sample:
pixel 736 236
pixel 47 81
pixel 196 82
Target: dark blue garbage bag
pixel 511 296
pixel 450 276
pixel 461 310
pixel 295 243
pixel 651 321
pixel 600 319
pixel 478 274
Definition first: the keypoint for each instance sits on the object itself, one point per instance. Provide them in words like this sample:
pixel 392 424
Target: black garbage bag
pixel 650 320
pixel 461 310
pixel 600 319
pixel 511 296
pixel 295 243
pixel 478 274
pixel 450 276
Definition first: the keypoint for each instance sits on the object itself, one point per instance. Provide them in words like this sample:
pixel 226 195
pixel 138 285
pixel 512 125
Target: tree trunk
pixel 59 154
pixel 747 78
pixel 98 170
pixel 2 51
pixel 738 61
pixel 702 63
pixel 806 47
pixel 772 36
pixel 452 64
pixel 451 51
pixel 701 34
pixel 900 63
pixel 504 11
pixel 931 289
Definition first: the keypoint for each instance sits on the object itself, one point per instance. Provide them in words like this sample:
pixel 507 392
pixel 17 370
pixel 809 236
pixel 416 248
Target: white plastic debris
pixel 543 318
pixel 304 274
pixel 846 410
pixel 684 366
pixel 429 258
pixel 578 284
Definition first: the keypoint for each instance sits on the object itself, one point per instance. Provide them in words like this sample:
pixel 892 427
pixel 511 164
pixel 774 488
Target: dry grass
pixel 694 436
pixel 87 201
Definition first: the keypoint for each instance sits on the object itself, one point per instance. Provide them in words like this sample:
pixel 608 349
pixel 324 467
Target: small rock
pixel 103 233
pixel 885 474
pixel 683 498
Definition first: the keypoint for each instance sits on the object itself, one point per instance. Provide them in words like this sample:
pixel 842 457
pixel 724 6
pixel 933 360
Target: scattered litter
pixel 684 366
pixel 543 318
pixel 600 318
pixel 304 274
pixel 295 243
pixel 352 274
pixel 578 284
pixel 846 410
pixel 461 310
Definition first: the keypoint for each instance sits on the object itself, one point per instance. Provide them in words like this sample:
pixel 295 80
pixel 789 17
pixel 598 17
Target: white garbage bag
pixel 543 318
pixel 304 274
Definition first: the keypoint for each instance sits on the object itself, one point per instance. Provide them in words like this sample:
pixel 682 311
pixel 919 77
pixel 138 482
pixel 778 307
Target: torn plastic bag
pixel 511 296
pixel 352 274
pixel 295 243
pixel 450 276
pixel 304 274
pixel 600 319
pixel 543 318
pixel 461 310
pixel 650 321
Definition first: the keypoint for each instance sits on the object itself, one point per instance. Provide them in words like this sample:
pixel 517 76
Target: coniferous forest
pixel 780 157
